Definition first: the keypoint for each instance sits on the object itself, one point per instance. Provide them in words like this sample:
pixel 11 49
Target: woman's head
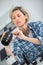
pixel 19 16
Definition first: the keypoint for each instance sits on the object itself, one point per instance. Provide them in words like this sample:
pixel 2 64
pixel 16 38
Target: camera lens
pixel 7 39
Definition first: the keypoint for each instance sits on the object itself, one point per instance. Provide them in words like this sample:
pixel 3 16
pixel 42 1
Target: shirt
pixel 30 34
pixel 30 51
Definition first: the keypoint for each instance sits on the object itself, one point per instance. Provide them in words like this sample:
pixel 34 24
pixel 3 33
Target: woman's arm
pixel 20 35
pixel 33 40
pixel 8 50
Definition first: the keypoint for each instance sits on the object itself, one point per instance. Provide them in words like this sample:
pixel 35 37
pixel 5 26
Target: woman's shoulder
pixel 35 23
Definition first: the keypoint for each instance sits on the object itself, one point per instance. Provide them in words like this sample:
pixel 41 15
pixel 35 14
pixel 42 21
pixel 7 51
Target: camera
pixel 7 38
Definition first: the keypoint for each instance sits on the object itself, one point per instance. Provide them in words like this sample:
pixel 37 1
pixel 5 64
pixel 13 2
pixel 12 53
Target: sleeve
pixel 18 52
pixel 38 27
pixel 40 32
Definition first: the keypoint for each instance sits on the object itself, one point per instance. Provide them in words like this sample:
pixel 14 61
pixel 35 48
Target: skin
pixel 19 19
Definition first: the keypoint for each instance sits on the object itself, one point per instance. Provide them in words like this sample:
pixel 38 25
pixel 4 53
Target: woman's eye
pixel 18 15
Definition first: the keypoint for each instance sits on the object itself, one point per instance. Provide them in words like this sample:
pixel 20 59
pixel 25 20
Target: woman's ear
pixel 27 17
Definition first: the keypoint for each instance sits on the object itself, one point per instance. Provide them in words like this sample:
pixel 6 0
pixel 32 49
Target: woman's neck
pixel 24 26
pixel 25 29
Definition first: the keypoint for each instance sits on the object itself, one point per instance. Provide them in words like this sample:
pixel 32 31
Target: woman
pixel 28 43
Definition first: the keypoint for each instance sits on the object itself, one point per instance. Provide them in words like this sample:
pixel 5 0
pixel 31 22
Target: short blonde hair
pixel 22 10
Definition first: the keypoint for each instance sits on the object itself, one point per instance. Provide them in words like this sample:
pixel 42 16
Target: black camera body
pixel 7 39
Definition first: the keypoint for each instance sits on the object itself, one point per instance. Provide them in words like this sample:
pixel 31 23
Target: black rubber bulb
pixel 7 39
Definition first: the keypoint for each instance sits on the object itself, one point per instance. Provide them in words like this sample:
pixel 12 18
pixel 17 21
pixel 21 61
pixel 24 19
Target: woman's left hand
pixel 19 34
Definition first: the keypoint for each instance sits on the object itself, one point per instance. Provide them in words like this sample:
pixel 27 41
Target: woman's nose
pixel 17 18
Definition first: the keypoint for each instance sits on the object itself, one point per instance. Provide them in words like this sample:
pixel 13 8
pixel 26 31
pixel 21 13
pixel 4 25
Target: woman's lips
pixel 18 22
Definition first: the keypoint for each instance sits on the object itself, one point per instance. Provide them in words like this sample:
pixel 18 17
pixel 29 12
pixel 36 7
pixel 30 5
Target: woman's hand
pixel 19 34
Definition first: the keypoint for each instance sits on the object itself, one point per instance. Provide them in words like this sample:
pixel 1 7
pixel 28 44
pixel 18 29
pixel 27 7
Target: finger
pixel 16 33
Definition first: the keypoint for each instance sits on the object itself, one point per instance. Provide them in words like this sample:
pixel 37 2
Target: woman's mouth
pixel 18 22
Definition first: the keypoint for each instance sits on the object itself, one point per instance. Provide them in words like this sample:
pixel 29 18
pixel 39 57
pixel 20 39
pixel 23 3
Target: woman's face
pixel 18 18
